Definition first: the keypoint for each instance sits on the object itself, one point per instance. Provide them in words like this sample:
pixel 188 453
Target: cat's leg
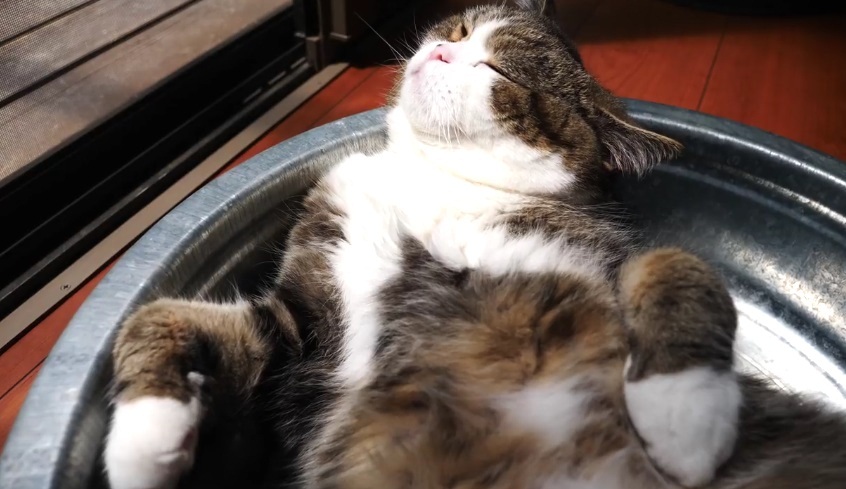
pixel 681 392
pixel 173 360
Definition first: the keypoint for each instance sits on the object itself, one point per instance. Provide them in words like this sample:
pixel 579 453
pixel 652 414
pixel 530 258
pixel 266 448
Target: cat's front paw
pixel 151 442
pixel 687 420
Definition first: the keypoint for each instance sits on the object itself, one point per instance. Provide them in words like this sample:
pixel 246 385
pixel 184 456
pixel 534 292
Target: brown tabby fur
pixel 455 339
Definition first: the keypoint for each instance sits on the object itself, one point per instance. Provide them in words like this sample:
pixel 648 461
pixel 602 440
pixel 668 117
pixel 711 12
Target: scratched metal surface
pixel 769 213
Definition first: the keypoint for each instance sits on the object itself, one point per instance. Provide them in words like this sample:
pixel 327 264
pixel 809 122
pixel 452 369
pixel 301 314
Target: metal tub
pixel 769 213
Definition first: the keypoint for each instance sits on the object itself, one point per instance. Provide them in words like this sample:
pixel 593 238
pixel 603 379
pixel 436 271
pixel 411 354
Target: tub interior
pixel 768 214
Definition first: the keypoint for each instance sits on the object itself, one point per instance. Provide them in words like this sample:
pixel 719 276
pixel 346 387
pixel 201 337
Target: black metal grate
pixel 102 139
pixel 50 48
pixel 20 16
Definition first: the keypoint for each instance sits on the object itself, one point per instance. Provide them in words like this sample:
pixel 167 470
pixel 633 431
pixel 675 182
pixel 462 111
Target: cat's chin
pixel 420 118
pixel 406 126
pixel 407 123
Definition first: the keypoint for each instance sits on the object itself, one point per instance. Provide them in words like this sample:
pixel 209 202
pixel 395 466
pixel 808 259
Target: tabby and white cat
pixel 451 312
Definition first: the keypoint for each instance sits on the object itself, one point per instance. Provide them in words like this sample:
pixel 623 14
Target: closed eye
pixel 492 66
pixel 498 71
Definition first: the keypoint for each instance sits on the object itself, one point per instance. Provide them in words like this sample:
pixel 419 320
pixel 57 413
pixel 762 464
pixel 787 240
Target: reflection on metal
pixel 745 200
pixel 768 347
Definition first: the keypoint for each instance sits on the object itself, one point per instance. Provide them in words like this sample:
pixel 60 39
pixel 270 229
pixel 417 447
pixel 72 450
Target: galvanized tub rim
pixel 38 452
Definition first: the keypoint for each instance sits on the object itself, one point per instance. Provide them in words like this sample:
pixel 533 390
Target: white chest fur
pixel 391 196
pixel 385 199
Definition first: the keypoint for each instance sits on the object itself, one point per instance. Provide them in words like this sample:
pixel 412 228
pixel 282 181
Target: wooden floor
pixel 784 75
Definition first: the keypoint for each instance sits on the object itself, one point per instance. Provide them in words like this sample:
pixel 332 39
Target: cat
pixel 461 310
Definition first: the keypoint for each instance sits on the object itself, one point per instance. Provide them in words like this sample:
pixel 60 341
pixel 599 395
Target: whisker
pixel 394 50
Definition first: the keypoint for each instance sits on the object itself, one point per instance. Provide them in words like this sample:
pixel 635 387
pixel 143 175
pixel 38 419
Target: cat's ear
pixel 632 149
pixel 543 7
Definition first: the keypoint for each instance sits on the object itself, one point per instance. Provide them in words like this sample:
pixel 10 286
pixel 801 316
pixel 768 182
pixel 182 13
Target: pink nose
pixel 441 53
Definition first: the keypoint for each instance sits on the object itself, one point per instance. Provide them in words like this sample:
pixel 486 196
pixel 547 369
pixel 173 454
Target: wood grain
pixel 305 117
pixel 11 402
pixel 651 50
pixel 787 76
pixel 369 95
pixel 32 348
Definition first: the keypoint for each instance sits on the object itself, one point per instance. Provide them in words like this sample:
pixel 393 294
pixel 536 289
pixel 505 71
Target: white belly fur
pixel 385 200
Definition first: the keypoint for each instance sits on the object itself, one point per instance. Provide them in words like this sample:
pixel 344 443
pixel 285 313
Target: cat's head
pixel 511 70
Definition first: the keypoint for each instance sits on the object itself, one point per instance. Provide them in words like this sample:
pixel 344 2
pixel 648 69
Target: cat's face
pixel 461 75
pixel 511 70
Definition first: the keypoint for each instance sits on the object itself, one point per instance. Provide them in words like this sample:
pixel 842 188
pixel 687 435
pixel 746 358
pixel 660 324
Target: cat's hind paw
pixel 688 421
pixel 151 442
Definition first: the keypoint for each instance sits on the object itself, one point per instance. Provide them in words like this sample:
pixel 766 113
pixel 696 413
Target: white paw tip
pixel 151 442
pixel 688 421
